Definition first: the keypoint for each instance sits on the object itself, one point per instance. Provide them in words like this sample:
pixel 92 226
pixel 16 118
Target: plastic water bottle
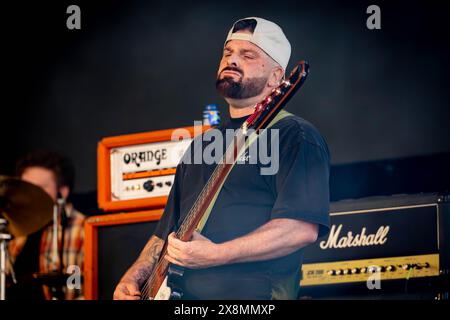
pixel 211 115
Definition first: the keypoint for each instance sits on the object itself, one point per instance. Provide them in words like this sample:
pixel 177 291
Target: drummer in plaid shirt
pixel 36 253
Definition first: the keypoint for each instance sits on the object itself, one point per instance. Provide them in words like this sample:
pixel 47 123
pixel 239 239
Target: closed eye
pixel 248 54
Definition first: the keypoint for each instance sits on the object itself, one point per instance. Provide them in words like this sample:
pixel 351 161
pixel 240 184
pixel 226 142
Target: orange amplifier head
pixel 136 171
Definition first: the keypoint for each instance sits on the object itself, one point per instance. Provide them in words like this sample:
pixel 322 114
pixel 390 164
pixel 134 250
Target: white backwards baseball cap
pixel 269 37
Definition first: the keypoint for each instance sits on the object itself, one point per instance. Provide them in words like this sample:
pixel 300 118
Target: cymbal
pixel 25 206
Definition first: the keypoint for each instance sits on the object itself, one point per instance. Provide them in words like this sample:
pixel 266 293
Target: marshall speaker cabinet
pixel 393 247
pixel 382 248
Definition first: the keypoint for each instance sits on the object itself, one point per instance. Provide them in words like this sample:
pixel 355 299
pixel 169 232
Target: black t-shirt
pixel 299 189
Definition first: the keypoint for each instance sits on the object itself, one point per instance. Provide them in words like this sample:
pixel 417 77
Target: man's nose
pixel 233 60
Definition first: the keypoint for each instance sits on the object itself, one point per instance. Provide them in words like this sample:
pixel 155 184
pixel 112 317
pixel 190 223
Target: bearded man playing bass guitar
pixel 251 245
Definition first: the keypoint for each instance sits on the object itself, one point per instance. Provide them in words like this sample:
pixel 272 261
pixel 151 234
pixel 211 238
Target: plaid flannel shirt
pixel 73 254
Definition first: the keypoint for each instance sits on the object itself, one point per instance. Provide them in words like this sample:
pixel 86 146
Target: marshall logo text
pixel 335 241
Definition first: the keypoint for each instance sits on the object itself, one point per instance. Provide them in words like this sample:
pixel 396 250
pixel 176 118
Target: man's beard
pixel 241 89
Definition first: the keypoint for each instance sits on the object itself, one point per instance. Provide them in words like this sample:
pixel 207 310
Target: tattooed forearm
pixel 143 266
pixel 152 249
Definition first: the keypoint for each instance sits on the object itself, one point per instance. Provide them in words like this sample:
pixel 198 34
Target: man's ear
pixel 64 190
pixel 276 76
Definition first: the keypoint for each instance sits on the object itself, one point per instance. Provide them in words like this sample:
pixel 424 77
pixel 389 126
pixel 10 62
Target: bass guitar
pixel 161 283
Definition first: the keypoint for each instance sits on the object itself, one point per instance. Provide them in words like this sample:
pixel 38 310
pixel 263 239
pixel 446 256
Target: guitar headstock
pixel 267 109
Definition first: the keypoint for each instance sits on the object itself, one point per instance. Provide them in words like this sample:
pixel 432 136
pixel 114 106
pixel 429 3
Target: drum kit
pixel 24 209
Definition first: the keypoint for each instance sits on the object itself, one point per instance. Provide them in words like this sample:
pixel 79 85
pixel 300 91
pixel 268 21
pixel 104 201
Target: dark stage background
pixel 380 97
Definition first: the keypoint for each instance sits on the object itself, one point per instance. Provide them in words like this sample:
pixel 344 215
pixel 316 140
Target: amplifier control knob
pixel 372 269
pixel 346 271
pixel 406 266
pixel 160 184
pixel 338 272
pixel 356 270
pixel 363 270
pixel 149 185
pixel 380 269
pixel 390 268
pixel 331 272
pixel 168 183
pixel 421 265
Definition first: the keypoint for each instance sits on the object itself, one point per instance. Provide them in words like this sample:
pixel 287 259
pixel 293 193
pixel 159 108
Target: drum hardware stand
pixel 59 212
pixel 4 238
